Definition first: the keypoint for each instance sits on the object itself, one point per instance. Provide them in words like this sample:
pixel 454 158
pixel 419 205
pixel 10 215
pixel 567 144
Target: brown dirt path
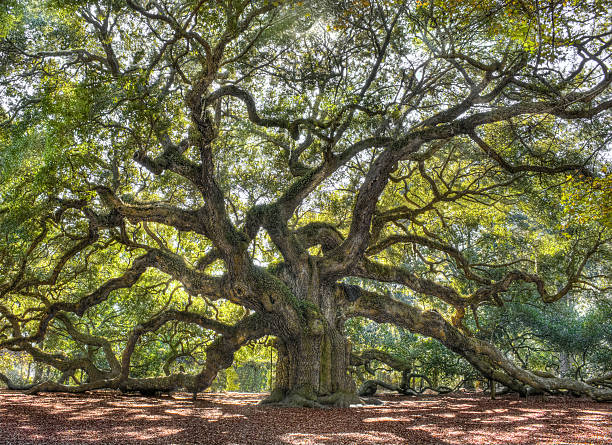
pixel 111 418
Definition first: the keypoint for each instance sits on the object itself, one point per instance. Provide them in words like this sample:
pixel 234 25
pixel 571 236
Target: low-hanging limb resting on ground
pixel 219 355
pixel 369 387
pixel 482 355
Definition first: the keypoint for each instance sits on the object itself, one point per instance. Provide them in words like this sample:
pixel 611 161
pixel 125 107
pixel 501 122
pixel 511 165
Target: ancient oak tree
pixel 309 162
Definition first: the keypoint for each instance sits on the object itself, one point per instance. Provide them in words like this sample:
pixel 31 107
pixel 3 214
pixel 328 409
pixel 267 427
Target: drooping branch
pixel 92 340
pixel 489 291
pixel 492 290
pixel 524 167
pixel 194 281
pixel 181 219
pixel 453 252
pixel 220 354
pixel 157 322
pixel 481 354
pixel 67 365
pixel 364 357
pixel 128 279
pixel 604 380
pixel 397 364
pixel 394 274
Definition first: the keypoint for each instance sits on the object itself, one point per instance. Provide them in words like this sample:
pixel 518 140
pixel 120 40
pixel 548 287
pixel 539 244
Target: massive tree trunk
pixel 313 352
pixel 312 369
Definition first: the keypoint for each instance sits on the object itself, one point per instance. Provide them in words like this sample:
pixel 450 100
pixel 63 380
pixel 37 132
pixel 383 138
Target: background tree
pixel 180 179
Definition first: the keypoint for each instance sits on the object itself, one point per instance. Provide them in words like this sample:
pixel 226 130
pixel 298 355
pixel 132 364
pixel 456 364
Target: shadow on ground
pixel 109 417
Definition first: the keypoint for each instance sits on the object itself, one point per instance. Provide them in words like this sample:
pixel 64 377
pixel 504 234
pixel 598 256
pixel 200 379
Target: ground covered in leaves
pixel 111 418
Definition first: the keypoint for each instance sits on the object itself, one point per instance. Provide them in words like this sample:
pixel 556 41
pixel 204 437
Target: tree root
pixel 296 399
pixel 341 400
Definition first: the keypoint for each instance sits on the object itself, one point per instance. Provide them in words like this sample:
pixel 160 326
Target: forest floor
pixel 108 417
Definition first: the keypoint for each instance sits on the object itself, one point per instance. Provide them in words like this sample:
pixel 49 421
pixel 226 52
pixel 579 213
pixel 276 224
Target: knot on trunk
pixel 316 326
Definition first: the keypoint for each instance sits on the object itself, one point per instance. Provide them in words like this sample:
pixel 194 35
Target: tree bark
pixel 564 364
pixel 314 356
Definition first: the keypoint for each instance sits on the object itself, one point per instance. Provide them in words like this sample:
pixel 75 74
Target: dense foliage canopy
pixel 335 183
